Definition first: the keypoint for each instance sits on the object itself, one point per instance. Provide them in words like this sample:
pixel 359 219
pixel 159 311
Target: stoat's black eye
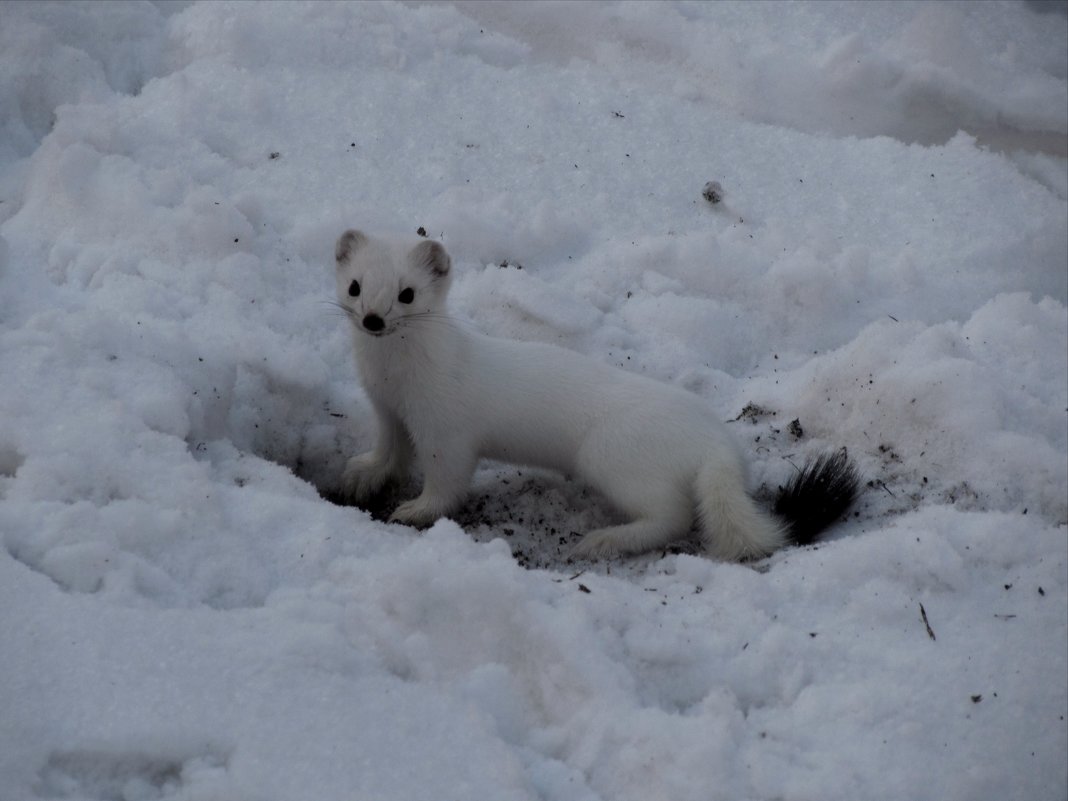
pixel 354 289
pixel 406 295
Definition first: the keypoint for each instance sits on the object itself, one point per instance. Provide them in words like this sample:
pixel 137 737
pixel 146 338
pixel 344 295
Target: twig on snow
pixel 923 615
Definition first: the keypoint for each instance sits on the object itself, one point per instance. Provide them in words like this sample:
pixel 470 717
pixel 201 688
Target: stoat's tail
pixel 818 495
pixel 734 528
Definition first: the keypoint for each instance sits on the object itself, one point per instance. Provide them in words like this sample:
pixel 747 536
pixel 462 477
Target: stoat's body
pixel 447 396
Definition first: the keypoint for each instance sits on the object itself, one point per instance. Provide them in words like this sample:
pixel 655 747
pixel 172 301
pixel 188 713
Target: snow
pixel 187 616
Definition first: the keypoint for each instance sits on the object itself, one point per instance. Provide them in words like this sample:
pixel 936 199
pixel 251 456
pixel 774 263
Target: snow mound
pixel 188 615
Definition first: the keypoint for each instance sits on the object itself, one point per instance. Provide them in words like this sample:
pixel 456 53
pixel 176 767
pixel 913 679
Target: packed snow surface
pixel 185 612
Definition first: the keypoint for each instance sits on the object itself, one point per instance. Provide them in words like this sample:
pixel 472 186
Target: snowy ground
pixel 185 616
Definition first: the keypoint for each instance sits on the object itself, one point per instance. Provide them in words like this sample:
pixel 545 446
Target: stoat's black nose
pixel 372 322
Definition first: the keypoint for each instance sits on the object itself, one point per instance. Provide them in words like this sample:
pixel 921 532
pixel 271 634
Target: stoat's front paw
pixel 418 512
pixel 364 476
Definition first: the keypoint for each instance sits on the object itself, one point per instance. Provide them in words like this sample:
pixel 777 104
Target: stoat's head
pixel 384 286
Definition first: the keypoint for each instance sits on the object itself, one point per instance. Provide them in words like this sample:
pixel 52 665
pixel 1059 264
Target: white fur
pixel 448 396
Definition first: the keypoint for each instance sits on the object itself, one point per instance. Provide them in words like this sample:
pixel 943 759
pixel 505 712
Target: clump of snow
pixel 187 615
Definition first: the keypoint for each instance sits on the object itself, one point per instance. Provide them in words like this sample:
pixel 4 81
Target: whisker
pixel 425 319
pixel 345 310
pixel 438 318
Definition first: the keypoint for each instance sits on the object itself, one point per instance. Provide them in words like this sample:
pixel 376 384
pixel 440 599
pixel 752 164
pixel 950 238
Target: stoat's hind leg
pixel 630 538
pixel 644 470
pixel 660 510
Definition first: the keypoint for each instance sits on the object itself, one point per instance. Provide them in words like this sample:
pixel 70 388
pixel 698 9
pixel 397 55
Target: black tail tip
pixel 818 495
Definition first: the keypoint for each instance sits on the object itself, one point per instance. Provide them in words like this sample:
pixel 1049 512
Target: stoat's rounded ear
pixel 348 243
pixel 431 256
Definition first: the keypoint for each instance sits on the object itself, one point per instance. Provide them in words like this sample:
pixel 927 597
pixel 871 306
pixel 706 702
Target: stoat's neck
pixel 418 352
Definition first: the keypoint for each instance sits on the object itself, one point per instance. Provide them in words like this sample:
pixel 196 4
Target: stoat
pixel 446 396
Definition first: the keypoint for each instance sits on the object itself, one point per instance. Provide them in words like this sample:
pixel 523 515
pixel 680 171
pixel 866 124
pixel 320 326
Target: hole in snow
pixel 10 461
pixel 262 414
pixel 131 776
